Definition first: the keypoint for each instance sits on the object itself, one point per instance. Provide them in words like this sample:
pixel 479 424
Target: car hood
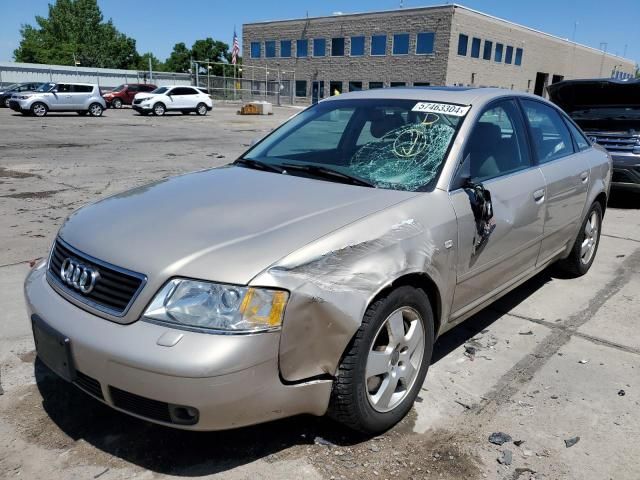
pixel 226 224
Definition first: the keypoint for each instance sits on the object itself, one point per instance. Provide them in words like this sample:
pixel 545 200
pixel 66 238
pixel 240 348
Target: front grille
pixel 616 142
pixel 88 384
pixel 145 407
pixel 114 290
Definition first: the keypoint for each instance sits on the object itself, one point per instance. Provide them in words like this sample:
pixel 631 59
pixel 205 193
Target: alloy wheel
pixel 202 109
pixel 39 110
pixel 394 359
pixel 590 241
pixel 95 110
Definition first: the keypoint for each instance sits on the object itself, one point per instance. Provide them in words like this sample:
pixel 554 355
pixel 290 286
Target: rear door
pixel 500 160
pixel 80 95
pixel 566 172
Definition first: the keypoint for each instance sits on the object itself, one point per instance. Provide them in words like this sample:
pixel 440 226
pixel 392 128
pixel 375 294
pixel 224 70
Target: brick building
pixel 440 45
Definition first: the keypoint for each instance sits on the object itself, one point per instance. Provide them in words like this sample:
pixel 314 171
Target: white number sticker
pixel 444 108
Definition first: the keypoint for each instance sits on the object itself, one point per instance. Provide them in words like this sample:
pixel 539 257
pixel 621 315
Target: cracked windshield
pixel 382 143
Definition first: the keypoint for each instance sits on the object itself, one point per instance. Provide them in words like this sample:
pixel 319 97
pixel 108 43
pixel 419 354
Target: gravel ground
pixel 555 360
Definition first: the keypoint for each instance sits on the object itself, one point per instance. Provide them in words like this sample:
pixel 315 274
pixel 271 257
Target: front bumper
pixel 15 106
pixel 141 108
pixel 232 380
pixel 626 171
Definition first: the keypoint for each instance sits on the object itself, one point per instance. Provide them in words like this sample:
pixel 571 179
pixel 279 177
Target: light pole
pixel 76 63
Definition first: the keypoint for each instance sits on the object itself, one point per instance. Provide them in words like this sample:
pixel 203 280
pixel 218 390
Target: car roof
pixel 459 95
pixel 75 83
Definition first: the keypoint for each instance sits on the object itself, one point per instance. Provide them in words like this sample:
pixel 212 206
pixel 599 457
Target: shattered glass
pixel 406 157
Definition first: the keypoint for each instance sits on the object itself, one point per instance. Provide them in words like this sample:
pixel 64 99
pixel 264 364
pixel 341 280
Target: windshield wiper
pixel 326 172
pixel 258 165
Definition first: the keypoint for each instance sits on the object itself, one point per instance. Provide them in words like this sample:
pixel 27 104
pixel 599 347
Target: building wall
pixel 389 68
pixel 541 53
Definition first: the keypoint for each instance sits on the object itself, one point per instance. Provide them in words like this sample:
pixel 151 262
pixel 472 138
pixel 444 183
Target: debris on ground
pixel 528 332
pixel 621 393
pixel 498 438
pixel 583 361
pixel 517 443
pixel 506 457
pixel 470 351
pixel 323 441
pixel 101 473
pixel 570 442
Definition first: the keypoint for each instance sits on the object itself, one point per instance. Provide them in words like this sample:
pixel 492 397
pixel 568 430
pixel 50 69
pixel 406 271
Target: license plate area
pixel 54 349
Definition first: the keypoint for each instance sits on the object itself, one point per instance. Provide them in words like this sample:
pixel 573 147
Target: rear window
pixel 81 88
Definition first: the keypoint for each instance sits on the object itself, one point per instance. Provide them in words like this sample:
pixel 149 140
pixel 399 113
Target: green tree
pixel 179 60
pixel 143 62
pixel 213 51
pixel 76 28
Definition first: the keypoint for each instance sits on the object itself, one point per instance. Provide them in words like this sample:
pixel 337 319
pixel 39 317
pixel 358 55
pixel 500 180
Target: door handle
pixel 538 195
pixel 584 176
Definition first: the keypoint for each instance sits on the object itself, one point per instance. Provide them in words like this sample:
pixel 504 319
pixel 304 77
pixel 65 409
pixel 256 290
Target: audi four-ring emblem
pixel 78 276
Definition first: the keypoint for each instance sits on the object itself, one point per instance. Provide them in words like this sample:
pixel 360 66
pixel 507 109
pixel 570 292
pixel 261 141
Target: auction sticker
pixel 444 108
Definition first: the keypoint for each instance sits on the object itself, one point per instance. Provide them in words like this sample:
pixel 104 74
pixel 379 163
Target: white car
pixel 179 98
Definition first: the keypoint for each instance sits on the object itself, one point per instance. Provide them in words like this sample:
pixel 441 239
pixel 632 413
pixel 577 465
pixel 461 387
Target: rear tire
pixel 116 103
pixel 585 247
pixel 95 109
pixel 201 109
pixel 385 364
pixel 39 109
pixel 159 109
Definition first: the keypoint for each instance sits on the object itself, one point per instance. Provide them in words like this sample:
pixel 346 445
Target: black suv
pixel 608 111
pixel 6 92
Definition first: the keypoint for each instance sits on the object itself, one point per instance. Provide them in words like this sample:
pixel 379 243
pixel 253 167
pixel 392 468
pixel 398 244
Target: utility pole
pixel 603 46
pixel 150 70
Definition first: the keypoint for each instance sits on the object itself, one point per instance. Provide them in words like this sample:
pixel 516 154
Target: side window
pixel 81 88
pixel 63 88
pixel 550 135
pixel 497 144
pixel 133 88
pixel 578 136
pixel 178 91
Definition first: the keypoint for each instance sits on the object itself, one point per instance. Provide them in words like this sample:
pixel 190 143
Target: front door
pixel 60 97
pixel 566 174
pixel 499 156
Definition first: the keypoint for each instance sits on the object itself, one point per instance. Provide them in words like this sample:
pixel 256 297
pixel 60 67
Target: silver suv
pixel 60 97
pixel 314 274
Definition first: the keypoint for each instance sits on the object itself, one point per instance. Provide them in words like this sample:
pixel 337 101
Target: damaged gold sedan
pixel 314 274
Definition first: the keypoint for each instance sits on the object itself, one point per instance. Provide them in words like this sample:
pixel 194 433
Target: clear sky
pixel 157 25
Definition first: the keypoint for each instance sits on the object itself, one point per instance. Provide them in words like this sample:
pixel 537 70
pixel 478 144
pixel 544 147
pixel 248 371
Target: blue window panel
pixel 255 49
pixel 270 49
pixel 337 47
pixel 401 44
pixel 463 43
pixel 357 46
pixel 498 56
pixel 424 43
pixel 518 56
pixel 508 56
pixel 302 48
pixel 378 45
pixel 319 47
pixel 486 53
pixel 475 48
pixel 285 48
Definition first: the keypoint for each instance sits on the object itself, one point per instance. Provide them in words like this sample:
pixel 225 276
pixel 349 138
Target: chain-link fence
pixel 247 83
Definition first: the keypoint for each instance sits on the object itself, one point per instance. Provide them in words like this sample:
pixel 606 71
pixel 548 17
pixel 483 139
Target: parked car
pixel 6 92
pixel 314 274
pixel 82 98
pixel 608 111
pixel 123 94
pixel 178 98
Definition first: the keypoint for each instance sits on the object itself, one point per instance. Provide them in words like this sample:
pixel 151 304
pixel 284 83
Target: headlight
pixel 216 306
pixel 144 99
pixel 23 97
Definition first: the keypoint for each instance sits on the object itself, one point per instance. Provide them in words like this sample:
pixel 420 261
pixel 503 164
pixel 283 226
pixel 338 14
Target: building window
pixel 301 88
pixel 424 43
pixel 463 41
pixel 498 55
pixel 357 46
pixel 302 48
pixel 270 49
pixel 335 88
pixel 486 53
pixel 401 44
pixel 319 47
pixel 355 86
pixel 518 56
pixel 378 45
pixel 397 84
pixel 421 84
pixel 285 48
pixel 337 47
pixel 475 48
pixel 508 56
pixel 255 49
pixel 373 85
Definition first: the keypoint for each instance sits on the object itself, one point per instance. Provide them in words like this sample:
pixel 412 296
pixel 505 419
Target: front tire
pixel 6 102
pixel 95 109
pixel 159 109
pixel 201 109
pixel 116 103
pixel 39 109
pixel 585 247
pixel 385 364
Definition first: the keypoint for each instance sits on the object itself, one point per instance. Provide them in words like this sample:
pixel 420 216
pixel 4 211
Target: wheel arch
pixel 601 198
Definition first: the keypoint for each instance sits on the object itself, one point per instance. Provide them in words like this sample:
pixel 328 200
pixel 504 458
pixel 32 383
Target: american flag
pixel 235 50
